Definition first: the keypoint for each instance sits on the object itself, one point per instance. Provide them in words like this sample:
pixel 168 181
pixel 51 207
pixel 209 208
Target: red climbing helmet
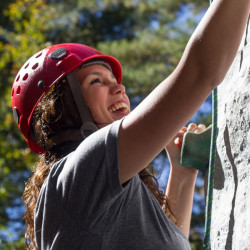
pixel 41 72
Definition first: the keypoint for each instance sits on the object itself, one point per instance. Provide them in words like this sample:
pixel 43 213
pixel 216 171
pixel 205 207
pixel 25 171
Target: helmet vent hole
pixel 25 77
pixel 27 65
pixel 12 92
pixel 35 66
pixel 18 78
pixel 18 91
pixel 39 55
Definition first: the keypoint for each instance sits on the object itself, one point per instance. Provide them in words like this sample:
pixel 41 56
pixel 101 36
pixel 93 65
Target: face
pixel 105 98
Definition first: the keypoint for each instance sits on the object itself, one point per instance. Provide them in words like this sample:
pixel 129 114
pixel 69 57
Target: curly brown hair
pixel 51 118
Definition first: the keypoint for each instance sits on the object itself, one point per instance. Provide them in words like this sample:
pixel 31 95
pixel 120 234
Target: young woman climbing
pixel 91 189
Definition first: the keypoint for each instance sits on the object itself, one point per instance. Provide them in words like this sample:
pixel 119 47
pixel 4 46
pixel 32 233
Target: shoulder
pixel 92 166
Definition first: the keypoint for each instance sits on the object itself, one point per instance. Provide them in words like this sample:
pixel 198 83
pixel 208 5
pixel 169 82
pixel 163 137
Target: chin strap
pixel 72 135
pixel 88 127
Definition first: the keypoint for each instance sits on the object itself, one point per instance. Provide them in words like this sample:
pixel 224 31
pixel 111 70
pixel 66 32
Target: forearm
pixel 207 57
pixel 180 191
pixel 215 42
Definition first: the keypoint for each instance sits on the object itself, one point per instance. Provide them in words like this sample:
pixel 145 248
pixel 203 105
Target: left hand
pixel 174 149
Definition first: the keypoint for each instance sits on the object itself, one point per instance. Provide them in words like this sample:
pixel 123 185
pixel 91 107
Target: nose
pixel 118 89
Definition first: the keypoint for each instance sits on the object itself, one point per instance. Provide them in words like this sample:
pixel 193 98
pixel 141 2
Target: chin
pixel 102 125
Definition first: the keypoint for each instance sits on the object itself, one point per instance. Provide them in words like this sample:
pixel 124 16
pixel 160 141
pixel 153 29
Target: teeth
pixel 118 106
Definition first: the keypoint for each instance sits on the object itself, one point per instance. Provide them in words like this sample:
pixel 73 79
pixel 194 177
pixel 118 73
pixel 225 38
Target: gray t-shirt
pixel 82 204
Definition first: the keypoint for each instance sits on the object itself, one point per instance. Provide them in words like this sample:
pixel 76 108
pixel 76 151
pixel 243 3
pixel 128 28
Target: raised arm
pixel 206 59
pixel 181 182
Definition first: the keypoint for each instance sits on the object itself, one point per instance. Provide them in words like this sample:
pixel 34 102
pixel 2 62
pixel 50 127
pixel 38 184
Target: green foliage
pixel 141 34
pixel 24 35
pixel 16 245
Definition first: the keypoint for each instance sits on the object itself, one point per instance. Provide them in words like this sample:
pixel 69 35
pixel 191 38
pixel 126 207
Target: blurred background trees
pixel 147 37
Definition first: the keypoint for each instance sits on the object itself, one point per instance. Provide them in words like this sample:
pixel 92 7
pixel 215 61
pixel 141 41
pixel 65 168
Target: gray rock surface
pixel 230 227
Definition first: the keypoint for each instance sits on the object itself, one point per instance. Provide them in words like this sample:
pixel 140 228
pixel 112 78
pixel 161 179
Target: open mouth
pixel 121 107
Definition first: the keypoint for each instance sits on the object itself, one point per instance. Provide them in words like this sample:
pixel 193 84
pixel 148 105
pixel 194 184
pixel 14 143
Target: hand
pixel 174 149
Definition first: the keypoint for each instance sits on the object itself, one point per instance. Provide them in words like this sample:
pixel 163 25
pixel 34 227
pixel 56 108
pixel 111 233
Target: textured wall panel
pixel 231 204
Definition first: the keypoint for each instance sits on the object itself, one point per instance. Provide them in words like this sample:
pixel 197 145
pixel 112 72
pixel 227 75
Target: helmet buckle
pixel 87 129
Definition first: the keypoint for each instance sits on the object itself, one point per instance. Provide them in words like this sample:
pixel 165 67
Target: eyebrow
pixel 98 74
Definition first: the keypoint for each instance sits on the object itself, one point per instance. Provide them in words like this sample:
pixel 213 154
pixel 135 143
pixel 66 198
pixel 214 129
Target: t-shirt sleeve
pixel 89 178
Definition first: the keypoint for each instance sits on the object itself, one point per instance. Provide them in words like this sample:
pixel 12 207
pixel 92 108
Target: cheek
pixel 90 97
pixel 96 102
pixel 128 101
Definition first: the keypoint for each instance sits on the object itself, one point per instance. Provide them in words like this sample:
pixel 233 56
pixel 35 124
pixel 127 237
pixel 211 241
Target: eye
pixel 95 80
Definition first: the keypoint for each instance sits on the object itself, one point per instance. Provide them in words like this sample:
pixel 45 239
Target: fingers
pixel 178 141
pixel 192 127
pixel 182 132
pixel 184 129
pixel 179 136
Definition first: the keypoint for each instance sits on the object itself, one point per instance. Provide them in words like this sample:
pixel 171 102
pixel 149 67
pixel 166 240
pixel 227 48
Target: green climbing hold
pixel 195 149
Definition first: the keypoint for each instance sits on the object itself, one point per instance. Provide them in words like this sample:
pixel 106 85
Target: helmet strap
pixel 88 127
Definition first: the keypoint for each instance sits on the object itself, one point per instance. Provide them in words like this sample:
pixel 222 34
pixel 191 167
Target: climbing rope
pixel 211 170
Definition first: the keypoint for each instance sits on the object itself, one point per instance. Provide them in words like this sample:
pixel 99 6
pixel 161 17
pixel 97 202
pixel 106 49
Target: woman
pixel 86 192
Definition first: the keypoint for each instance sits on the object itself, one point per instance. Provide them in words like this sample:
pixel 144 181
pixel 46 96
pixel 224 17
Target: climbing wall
pixel 230 228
